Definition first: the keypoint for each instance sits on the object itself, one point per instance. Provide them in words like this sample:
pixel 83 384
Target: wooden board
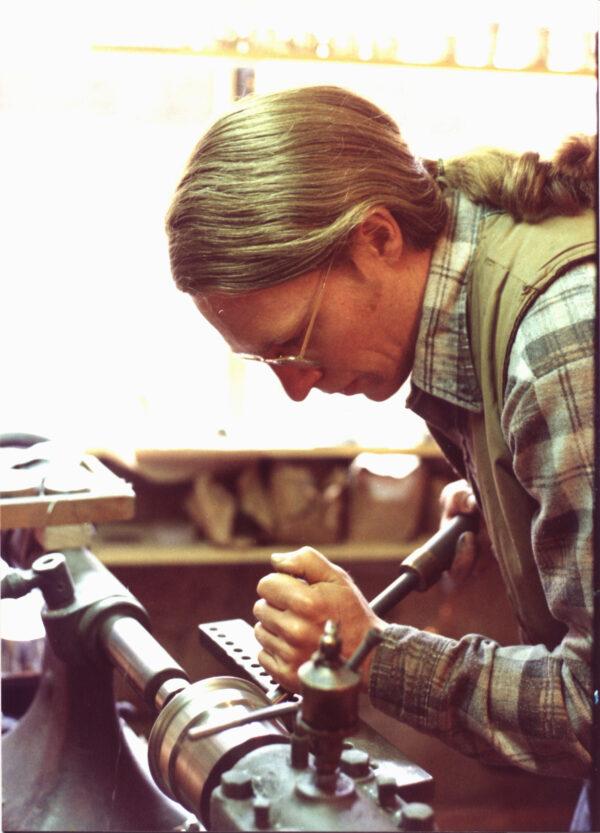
pixel 111 499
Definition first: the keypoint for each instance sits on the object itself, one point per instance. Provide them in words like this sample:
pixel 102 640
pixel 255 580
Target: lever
pixel 424 566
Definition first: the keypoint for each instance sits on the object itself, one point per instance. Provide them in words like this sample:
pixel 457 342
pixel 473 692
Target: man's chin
pixel 373 387
pixel 379 391
pixel 379 396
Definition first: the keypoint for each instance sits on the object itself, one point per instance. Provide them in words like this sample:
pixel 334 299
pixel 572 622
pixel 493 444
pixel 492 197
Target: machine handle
pixel 267 713
pixel 423 567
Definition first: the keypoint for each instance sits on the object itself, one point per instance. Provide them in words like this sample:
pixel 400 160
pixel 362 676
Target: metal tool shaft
pixel 424 566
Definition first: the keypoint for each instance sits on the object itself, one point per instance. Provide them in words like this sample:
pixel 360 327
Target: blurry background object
pixel 386 497
pixel 307 503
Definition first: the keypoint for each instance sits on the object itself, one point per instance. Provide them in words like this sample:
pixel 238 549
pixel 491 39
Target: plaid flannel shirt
pixel 522 705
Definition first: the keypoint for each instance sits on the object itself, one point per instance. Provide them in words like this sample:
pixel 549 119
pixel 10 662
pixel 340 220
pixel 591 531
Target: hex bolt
pixel 54 579
pixel 416 816
pixel 262 808
pixel 299 751
pixel 355 763
pixel 236 783
pixel 386 790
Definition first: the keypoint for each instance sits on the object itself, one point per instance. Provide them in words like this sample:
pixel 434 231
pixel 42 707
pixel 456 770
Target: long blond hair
pixel 276 187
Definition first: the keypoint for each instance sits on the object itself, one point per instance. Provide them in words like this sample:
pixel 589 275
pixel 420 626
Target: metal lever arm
pixel 425 565
pixel 266 713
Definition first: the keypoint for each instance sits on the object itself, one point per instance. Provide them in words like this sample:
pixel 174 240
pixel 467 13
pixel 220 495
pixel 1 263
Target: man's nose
pixel 297 382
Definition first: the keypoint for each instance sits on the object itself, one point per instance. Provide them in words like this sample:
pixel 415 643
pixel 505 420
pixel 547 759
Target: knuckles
pixel 306 605
pixel 297 632
pixel 266 583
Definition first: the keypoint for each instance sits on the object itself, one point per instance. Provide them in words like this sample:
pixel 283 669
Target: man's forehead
pixel 279 298
pixel 252 320
pixel 238 306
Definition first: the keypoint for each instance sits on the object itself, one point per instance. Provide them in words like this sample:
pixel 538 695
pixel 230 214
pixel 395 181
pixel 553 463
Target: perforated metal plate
pixel 233 643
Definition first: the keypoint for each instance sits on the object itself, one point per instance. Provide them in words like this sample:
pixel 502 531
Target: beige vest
pixel 515 262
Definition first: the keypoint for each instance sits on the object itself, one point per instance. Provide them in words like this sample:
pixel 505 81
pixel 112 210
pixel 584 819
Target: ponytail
pixel 524 185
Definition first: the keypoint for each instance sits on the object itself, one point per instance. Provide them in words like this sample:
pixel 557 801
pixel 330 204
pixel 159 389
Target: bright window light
pixel 566 51
pixel 516 47
pixel 473 45
pixel 99 347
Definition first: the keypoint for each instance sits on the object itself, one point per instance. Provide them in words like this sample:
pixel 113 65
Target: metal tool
pixel 425 565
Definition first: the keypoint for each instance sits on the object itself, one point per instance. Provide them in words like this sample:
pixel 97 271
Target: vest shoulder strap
pixel 519 261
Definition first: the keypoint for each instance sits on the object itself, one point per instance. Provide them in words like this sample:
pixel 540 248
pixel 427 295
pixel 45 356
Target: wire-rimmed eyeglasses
pixel 297 360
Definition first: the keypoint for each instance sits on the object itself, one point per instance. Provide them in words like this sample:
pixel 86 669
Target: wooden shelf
pixel 172 464
pixel 155 555
pixel 150 456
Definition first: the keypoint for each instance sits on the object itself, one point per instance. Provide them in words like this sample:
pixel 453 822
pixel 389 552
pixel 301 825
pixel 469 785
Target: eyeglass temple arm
pixel 313 317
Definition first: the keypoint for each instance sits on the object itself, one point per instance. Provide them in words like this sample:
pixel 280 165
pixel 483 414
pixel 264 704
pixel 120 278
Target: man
pixel 312 239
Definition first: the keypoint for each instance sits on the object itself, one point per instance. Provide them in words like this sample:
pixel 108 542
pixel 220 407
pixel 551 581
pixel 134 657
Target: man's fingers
pixel 297 631
pixel 288 593
pixel 276 646
pixel 460 503
pixel 457 498
pixel 295 585
pixel 283 673
pixel 466 551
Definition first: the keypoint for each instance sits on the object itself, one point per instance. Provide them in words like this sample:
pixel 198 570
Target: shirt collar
pixel 443 365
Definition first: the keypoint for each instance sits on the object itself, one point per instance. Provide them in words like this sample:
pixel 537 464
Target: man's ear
pixel 379 235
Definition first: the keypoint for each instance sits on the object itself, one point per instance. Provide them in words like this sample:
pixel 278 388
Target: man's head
pixel 284 188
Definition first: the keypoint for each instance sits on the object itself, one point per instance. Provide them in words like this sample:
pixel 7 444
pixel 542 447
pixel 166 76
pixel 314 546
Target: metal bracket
pixel 233 643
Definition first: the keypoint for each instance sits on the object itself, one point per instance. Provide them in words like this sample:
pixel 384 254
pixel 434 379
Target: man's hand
pixel 457 498
pixel 295 603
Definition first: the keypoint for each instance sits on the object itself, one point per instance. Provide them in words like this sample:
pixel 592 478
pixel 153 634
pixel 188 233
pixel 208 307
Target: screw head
pixel 355 763
pixel 236 783
pixel 416 816
pixel 299 751
pixel 386 790
pixel 262 808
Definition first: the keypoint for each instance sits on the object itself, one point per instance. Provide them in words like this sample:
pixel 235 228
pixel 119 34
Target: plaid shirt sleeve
pixel 524 705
